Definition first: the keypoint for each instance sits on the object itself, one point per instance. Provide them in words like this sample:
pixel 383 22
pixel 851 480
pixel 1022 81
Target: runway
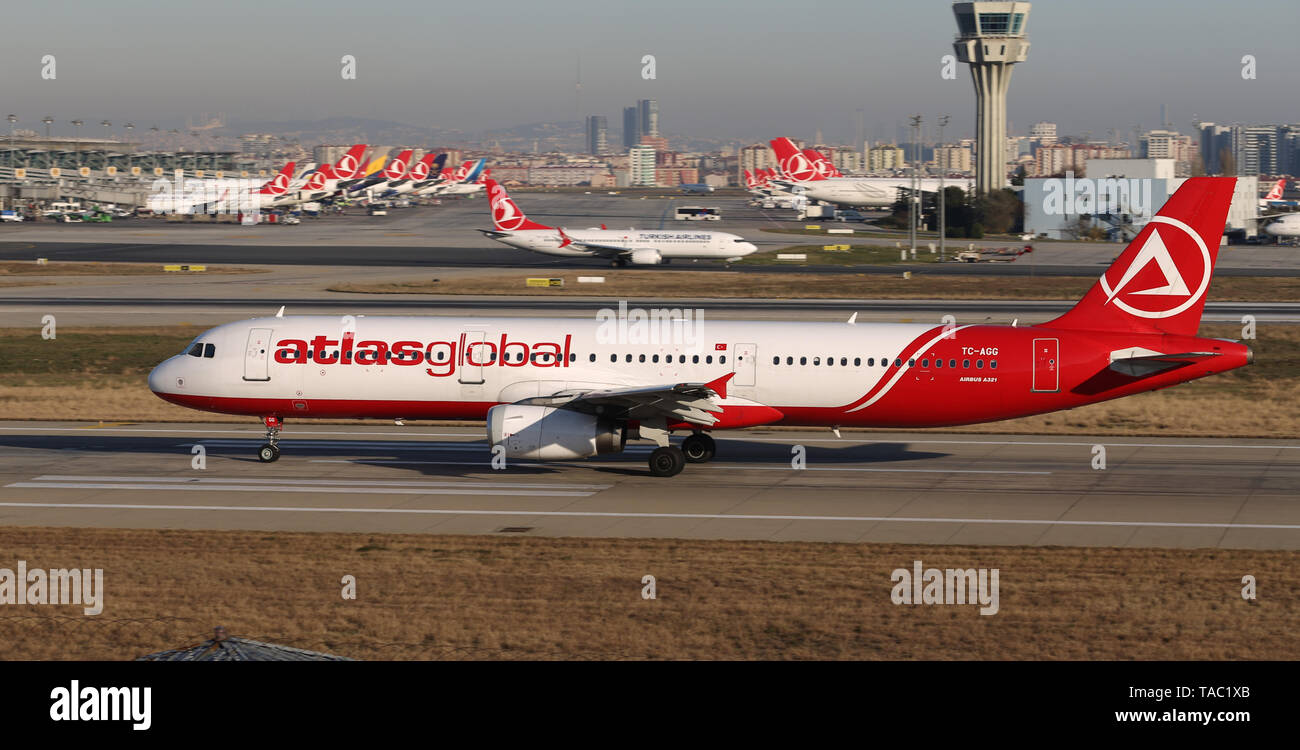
pixel 935 488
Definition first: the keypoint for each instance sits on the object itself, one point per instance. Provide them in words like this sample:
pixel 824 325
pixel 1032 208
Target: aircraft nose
pixel 162 379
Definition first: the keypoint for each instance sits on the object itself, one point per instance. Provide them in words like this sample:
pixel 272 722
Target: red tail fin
pixel 279 184
pixel 1276 192
pixel 349 165
pixel 820 163
pixel 396 169
pixel 794 163
pixel 1158 284
pixel 506 216
pixel 420 170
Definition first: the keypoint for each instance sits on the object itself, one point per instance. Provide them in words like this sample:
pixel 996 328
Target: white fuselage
pixel 870 192
pixel 668 243
pixel 1287 226
pixel 434 367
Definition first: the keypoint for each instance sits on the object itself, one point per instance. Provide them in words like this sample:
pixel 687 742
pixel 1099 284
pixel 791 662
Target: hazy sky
pixel 752 68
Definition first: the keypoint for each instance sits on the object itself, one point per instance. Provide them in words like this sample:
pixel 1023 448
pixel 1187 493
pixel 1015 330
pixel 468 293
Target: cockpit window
pixel 196 350
pixel 209 350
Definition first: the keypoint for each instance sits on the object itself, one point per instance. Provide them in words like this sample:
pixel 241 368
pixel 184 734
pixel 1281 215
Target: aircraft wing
pixel 604 251
pixel 687 402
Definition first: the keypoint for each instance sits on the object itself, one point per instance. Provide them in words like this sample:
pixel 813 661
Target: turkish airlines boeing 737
pixel 563 388
pixel 620 246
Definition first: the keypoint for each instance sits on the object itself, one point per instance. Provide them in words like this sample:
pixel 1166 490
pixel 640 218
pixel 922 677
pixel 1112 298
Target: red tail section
pixel 821 163
pixel 1158 284
pixel 1276 192
pixel 750 183
pixel 506 216
pixel 317 179
pixel 396 169
pixel 794 163
pixel 279 184
pixel 350 165
pixel 420 170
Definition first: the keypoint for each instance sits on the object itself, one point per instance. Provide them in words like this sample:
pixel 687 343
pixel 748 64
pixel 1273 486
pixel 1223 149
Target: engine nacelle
pixel 546 433
pixel 646 256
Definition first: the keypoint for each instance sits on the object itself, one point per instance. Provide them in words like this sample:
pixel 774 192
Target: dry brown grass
pixel 485 597
pixel 728 284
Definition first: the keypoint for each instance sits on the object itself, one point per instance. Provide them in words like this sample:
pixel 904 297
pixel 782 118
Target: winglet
pixel 719 386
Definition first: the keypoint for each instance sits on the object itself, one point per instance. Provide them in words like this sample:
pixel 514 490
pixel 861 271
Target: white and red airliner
pixel 562 388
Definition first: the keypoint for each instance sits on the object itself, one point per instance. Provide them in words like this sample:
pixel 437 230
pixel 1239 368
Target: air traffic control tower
pixel 991 38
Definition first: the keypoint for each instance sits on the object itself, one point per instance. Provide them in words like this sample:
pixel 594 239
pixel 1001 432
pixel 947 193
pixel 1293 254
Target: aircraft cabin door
pixel 1047 366
pixel 472 374
pixel 257 355
pixel 745 357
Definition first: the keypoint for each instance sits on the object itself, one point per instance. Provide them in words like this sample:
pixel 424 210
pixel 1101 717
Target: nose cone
pixel 162 379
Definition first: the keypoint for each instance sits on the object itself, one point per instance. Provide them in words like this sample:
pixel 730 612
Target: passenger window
pixel 655 358
pixel 592 358
pixel 938 364
pixel 613 358
pixel 857 361
pixel 844 361
pixel 979 364
pixel 722 360
pixel 830 361
pixel 708 360
pixel 871 361
pixel 640 358
pixel 817 360
pixel 789 360
pixel 993 364
pixel 629 358
pixel 898 362
pixel 776 360
pixel 695 359
pixel 925 363
pixel 952 363
pixel 803 360
pixel 965 364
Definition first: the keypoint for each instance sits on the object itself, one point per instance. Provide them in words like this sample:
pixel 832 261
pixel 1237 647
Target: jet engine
pixel 545 433
pixel 646 256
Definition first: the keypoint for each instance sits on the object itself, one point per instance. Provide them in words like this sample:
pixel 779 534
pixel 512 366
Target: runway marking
pixel 682 516
pixel 324 486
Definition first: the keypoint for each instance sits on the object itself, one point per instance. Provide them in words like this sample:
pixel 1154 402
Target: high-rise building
pixel 641 166
pixel 885 158
pixel 1255 149
pixel 631 127
pixel 1216 143
pixel 1043 132
pixel 991 39
pixel 597 134
pixel 648 117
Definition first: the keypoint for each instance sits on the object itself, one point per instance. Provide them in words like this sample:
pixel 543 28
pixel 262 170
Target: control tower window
pixel 1017 22
pixel 966 23
pixel 995 23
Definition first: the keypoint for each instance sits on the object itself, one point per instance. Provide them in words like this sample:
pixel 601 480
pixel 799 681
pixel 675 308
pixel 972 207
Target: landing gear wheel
pixel 268 453
pixel 667 462
pixel 698 448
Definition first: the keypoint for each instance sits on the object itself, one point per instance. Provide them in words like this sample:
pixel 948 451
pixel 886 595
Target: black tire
pixel 268 453
pixel 667 462
pixel 698 448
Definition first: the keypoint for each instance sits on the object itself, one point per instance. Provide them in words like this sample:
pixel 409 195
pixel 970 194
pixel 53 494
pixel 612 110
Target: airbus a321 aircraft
pixel 564 388
pixel 620 246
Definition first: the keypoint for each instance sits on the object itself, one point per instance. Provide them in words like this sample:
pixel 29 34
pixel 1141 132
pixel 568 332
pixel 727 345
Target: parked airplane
pixel 198 196
pixel 619 246
pixel 695 188
pixel 800 171
pixel 1286 226
pixel 417 175
pixel 567 388
pixel 466 181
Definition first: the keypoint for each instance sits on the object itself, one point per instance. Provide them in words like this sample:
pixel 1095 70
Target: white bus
pixel 697 213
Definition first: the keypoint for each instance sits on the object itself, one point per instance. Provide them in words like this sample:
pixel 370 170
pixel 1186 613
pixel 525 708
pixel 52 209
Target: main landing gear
pixel 271 451
pixel 698 448
pixel 669 460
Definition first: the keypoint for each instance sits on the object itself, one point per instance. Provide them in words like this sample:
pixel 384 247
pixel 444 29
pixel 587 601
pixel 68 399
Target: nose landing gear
pixel 271 451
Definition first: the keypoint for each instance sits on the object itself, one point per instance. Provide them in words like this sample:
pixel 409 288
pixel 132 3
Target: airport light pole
pixel 943 197
pixel 914 208
pixel 77 125
pixel 47 120
pixel 129 127
pixel 12 119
